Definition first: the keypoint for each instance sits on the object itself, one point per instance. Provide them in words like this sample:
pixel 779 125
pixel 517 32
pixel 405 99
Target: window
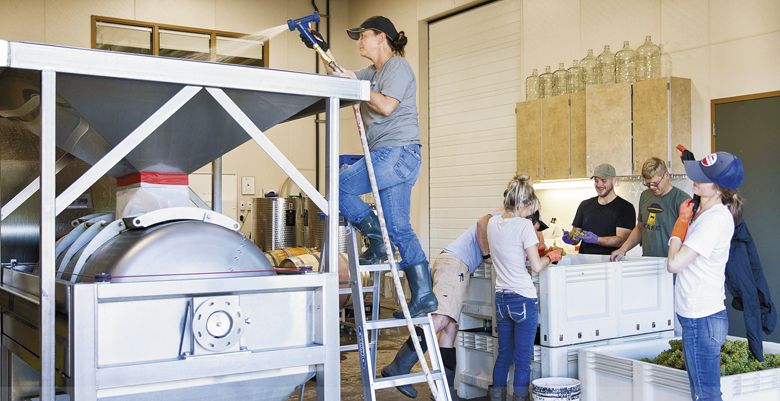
pixel 141 37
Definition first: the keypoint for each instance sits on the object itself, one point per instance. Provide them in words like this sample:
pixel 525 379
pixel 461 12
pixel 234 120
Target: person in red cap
pixel 698 252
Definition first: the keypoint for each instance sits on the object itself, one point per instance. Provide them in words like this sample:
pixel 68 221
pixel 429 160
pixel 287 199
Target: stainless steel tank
pixel 153 299
pixel 277 222
pixel 314 228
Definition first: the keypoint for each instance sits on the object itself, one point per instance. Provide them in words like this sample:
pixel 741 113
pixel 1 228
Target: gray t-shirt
pixel 657 215
pixel 394 79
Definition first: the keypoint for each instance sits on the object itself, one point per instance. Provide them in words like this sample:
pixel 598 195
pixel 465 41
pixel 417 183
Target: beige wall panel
pixel 555 137
pixel 529 138
pixel 69 23
pixel 745 66
pixel 608 126
pixel 684 24
pixel 22 20
pixel 249 16
pixel 613 21
pixel 731 20
pixel 431 8
pixel 194 13
pixel 544 46
pixel 694 64
pixel 578 147
pixel 650 122
pixel 681 120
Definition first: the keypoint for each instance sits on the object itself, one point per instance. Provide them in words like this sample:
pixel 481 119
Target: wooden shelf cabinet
pixel 567 136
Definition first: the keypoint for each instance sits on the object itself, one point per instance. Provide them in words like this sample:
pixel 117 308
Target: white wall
pixel 726 48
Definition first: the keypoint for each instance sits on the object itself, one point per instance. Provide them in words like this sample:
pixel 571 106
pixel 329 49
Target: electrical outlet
pixel 247 185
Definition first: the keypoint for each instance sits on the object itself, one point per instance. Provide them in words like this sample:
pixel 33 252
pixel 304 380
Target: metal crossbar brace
pixel 124 147
pixel 259 136
pixel 32 188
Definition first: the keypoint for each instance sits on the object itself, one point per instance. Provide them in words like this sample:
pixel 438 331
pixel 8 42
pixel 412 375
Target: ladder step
pixel 411 378
pixel 348 291
pixel 383 267
pixel 390 323
pixel 348 347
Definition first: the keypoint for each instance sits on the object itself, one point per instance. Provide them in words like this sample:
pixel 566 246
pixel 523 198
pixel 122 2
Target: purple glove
pixel 588 237
pixel 568 240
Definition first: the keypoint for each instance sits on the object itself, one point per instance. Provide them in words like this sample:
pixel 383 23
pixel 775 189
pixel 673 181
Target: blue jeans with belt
pixel 396 169
pixel 517 317
pixel 702 339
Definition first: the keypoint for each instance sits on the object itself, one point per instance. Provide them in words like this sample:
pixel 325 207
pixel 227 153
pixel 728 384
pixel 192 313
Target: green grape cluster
pixel 672 357
pixel 735 358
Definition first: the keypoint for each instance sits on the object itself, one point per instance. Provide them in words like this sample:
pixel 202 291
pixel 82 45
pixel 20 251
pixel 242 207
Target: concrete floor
pixel 351 387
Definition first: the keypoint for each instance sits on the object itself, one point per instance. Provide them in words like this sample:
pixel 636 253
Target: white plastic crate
pixel 480 294
pixel 615 372
pixel 476 354
pixel 587 298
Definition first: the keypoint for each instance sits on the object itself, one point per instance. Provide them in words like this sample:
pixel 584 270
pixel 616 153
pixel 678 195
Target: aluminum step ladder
pixel 367 330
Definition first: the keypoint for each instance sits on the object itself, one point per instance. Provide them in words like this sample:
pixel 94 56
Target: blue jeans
pixel 396 169
pixel 517 317
pixel 702 339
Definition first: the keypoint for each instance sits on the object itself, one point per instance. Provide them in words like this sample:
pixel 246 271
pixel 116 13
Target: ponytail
pixel 733 200
pixel 398 43
pixel 520 193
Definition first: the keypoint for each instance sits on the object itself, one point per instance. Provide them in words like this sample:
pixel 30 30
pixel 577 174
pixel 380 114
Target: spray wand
pixel 302 25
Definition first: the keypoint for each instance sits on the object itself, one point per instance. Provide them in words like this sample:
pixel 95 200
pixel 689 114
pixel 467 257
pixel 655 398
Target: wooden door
pixel 555 138
pixel 529 137
pixel 608 124
pixel 577 148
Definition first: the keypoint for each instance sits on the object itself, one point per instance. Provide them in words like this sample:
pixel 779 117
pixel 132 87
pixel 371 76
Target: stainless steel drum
pixel 314 228
pixel 277 223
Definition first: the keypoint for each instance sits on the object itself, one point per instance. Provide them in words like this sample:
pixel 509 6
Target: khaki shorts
pixel 450 280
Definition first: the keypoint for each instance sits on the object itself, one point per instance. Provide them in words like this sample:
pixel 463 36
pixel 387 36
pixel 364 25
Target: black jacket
pixel 747 285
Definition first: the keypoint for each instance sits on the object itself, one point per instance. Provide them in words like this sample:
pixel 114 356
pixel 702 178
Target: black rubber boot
pixel 451 383
pixel 420 285
pixel 496 393
pixel 404 360
pixel 375 253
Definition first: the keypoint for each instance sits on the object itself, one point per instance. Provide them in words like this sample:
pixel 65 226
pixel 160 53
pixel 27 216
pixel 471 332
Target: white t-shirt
pixel 699 290
pixel 508 238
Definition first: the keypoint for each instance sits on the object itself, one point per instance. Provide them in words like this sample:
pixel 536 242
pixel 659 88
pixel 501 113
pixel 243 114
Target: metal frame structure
pixel 195 76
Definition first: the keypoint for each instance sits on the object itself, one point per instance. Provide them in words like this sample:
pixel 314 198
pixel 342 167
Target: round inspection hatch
pixel 217 324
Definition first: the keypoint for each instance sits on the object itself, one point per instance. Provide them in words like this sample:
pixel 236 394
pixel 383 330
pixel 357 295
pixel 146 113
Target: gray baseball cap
pixel 604 171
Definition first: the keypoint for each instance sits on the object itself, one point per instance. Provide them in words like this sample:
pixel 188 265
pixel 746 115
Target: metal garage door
pixel 475 82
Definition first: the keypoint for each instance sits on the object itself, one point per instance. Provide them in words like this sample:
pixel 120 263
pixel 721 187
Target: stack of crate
pixel 584 301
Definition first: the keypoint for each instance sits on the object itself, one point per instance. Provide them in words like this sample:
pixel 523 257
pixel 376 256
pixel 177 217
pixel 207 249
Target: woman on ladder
pixel 394 141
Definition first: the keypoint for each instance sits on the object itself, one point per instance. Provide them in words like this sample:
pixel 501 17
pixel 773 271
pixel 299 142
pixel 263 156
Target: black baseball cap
pixel 536 218
pixel 376 22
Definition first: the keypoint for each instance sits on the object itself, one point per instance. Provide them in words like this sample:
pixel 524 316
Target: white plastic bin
pixel 476 354
pixel 587 298
pixel 614 372
pixel 480 294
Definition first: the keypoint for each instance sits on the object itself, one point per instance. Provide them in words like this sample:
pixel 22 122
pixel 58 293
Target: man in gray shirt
pixel 659 206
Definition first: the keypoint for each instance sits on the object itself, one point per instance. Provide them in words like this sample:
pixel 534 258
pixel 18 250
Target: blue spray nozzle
pixel 301 24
